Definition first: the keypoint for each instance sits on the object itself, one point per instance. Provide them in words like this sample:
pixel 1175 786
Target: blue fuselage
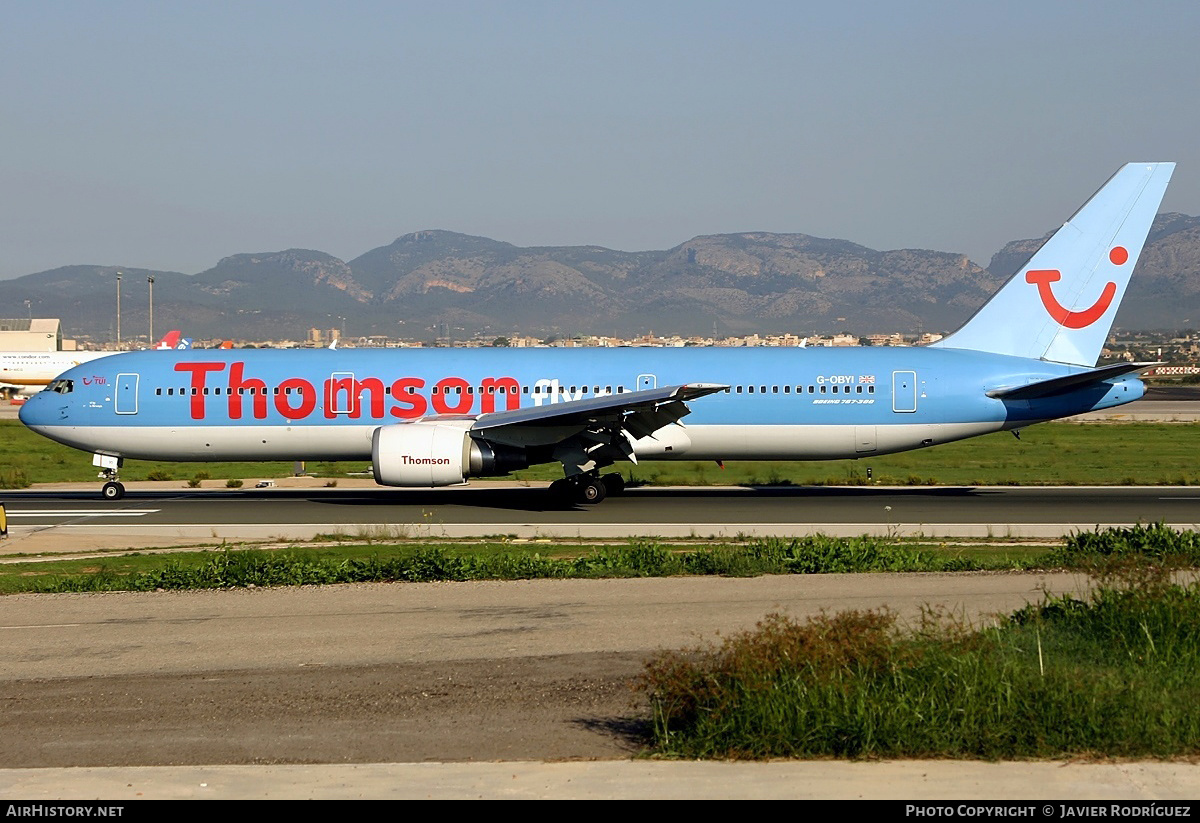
pixel 797 403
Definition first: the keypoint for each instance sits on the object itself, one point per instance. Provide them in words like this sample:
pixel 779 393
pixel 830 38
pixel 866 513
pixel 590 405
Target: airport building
pixel 33 334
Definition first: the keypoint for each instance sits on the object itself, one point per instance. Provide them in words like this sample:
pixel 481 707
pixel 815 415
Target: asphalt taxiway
pixel 73 517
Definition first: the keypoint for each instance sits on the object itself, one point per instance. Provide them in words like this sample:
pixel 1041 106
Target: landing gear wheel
pixel 561 492
pixel 591 491
pixel 614 484
pixel 113 490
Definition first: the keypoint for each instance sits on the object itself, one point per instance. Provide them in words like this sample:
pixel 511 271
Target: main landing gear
pixel 589 488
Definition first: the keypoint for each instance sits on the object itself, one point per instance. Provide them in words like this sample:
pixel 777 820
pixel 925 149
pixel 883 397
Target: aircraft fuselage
pixel 787 404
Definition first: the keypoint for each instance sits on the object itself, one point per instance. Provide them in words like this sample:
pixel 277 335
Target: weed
pixel 1112 674
pixel 14 479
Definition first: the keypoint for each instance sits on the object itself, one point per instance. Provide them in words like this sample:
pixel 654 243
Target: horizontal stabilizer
pixel 1059 385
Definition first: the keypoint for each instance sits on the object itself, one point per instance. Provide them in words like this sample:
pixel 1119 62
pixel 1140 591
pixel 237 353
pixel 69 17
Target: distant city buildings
pixel 1178 349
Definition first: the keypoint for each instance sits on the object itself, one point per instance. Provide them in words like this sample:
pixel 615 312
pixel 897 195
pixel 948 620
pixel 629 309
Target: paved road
pixel 68 520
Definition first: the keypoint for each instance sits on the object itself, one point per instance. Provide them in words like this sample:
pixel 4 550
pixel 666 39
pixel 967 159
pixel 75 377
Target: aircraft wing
pixel 1058 385
pixel 641 413
pixel 585 434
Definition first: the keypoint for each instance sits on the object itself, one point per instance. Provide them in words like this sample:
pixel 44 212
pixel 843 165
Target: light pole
pixel 118 311
pixel 150 280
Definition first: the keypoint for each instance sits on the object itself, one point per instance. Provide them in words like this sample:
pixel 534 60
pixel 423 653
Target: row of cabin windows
pixel 843 389
pixel 183 390
pixel 836 389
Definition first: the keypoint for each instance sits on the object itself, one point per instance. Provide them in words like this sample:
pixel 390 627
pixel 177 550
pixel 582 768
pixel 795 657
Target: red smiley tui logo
pixel 1076 319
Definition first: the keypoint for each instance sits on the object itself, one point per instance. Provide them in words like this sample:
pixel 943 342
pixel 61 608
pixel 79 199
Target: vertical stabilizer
pixel 1060 306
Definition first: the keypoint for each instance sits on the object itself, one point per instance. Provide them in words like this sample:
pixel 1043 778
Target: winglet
pixel 1060 306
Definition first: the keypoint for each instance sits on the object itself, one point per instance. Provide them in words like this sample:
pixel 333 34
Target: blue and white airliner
pixel 436 417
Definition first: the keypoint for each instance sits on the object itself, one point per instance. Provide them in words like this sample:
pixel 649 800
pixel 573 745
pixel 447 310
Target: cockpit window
pixel 62 386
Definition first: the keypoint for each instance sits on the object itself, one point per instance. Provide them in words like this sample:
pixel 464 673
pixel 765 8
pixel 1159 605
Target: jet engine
pixel 428 453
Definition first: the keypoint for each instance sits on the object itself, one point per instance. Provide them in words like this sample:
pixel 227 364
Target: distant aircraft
pixel 31 371
pixel 435 417
pixel 172 340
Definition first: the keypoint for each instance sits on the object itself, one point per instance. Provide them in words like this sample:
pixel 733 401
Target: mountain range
pixel 428 283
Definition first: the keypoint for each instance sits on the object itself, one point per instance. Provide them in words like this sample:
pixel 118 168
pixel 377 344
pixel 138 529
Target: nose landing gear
pixel 113 489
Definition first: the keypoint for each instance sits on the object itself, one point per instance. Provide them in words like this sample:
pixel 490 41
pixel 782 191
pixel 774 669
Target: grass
pixel 393 560
pixel 1049 454
pixel 1111 674
pixel 423 561
pixel 32 458
pixel 1068 454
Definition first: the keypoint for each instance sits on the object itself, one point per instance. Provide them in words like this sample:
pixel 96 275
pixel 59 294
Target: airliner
pixel 437 417
pixel 31 371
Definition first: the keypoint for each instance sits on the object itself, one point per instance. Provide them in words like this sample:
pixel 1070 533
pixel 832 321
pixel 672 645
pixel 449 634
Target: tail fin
pixel 1086 265
pixel 169 340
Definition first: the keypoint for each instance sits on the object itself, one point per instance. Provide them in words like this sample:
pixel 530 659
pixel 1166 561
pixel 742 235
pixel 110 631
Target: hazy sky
pixel 167 135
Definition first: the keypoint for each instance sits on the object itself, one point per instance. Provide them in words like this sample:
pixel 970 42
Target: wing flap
pixel 644 408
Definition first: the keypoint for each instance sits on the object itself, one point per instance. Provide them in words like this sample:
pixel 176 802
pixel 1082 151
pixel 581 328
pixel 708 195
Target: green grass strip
pixel 1082 454
pixel 1109 551
pixel 1110 675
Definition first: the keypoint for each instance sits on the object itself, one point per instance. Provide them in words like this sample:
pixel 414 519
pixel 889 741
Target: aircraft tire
pixel 112 491
pixel 614 484
pixel 591 491
pixel 561 492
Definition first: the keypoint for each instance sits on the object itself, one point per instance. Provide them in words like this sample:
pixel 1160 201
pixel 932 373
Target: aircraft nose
pixel 33 411
pixel 25 414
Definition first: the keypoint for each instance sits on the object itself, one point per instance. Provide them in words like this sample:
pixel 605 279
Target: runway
pixel 66 520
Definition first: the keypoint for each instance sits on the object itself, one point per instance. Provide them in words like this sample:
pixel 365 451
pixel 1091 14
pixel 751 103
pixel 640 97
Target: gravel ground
pixel 562 707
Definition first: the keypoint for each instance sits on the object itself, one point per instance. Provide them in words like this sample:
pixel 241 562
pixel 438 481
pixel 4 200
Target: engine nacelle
pixel 437 454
